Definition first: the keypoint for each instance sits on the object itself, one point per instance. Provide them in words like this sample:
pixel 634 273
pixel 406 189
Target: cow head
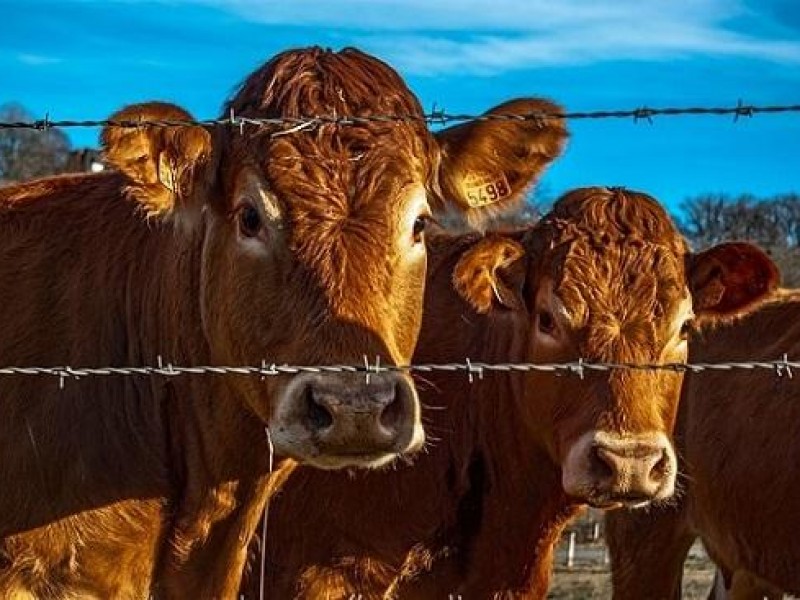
pixel 609 279
pixel 310 238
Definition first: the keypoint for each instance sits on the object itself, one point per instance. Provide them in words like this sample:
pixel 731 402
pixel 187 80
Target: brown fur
pixel 738 435
pixel 479 514
pixel 123 486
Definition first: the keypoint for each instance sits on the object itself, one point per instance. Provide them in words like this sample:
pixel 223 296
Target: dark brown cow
pixel 605 276
pixel 739 439
pixel 219 247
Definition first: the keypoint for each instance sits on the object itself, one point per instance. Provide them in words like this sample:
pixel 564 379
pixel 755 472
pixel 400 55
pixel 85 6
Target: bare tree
pixel 29 153
pixel 773 223
pixel 703 220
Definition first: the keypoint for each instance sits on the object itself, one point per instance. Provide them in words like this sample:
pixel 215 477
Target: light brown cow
pixel 212 246
pixel 739 439
pixel 605 276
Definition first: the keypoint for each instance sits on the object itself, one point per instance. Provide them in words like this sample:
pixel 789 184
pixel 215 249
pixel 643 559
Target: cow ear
pixel 730 279
pixel 488 165
pixel 163 163
pixel 492 272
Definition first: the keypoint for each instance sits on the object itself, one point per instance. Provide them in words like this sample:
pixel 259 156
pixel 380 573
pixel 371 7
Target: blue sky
pixel 86 58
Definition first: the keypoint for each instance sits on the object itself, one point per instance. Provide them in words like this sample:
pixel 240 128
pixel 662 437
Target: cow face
pixel 609 279
pixel 310 242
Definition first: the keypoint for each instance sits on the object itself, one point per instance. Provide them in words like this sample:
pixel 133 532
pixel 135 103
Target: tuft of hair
pixel 304 81
pixel 160 162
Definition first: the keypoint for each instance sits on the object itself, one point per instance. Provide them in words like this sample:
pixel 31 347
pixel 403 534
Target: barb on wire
pixel 438 117
pixel 782 366
pixel 577 368
pixel 742 111
pixel 472 370
pixel 643 113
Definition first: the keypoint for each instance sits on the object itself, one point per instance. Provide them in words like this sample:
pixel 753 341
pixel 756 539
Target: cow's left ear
pixel 492 272
pixel 730 279
pixel 163 163
pixel 488 165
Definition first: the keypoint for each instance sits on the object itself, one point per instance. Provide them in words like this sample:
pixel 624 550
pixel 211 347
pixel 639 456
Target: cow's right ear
pixel 163 163
pixel 488 165
pixel 492 272
pixel 730 279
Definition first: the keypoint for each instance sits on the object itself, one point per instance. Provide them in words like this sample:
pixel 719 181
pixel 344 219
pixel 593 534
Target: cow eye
pixel 419 227
pixel 686 329
pixel 249 220
pixel 546 322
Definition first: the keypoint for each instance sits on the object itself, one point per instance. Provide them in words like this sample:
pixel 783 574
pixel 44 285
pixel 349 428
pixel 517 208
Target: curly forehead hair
pixel 302 82
pixel 607 214
pixel 616 257
pixel 319 82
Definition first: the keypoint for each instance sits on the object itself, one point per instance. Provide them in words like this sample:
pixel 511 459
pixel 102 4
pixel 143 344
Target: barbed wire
pixel 435 117
pixel 780 367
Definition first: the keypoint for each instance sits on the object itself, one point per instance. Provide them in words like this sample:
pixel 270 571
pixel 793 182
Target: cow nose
pixel 342 420
pixel 630 473
pixel 606 468
pixel 378 411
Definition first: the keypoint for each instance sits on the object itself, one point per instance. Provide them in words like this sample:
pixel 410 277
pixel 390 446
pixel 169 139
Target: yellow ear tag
pixel 483 190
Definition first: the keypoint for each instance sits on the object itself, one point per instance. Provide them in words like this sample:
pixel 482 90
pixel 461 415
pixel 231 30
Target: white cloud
pixel 461 15
pixel 428 37
pixel 36 60
pixel 425 54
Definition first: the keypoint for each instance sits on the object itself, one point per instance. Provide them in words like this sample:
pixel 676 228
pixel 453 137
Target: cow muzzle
pixel 340 421
pixel 610 470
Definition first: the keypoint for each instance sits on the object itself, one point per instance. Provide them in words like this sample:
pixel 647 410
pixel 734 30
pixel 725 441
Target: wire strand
pixel 781 367
pixel 298 123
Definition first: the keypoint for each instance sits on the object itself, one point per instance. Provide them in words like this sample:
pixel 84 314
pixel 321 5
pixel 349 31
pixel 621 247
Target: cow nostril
pixel 317 415
pixel 661 468
pixel 392 414
pixel 602 467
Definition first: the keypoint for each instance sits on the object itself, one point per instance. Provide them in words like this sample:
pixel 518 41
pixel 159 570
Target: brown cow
pixel 739 440
pixel 213 246
pixel 605 276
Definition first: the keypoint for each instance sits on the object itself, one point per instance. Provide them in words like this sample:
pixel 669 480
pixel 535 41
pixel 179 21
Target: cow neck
pixel 218 453
pixel 733 340
pixel 470 410
pixel 72 310
pixel 736 437
pixel 452 331
pixel 523 508
pixel 509 491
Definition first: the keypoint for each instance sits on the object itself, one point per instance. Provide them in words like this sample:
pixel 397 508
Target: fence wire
pixel 782 367
pixel 643 113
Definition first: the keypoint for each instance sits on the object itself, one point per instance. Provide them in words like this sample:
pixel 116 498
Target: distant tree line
pixel 771 222
pixel 29 153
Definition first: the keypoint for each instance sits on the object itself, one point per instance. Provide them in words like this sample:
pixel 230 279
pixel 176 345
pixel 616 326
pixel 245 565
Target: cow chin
pixel 298 446
pixel 329 462
pixel 609 470
pixel 343 421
